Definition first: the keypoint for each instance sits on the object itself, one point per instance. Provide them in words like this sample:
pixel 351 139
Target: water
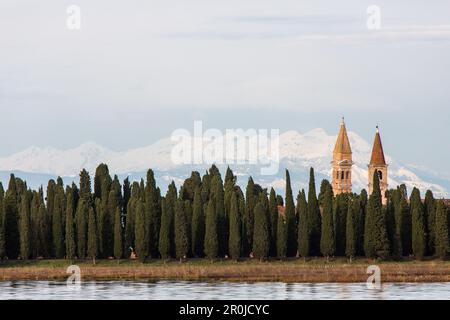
pixel 137 290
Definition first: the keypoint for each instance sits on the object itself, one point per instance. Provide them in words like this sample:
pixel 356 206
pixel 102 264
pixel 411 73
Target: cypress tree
pixel 85 187
pixel 11 220
pixel 118 235
pixel 180 230
pixel 406 222
pixel 376 243
pixel 164 234
pixel 352 229
pixel 340 221
pixel 92 249
pixel 273 220
pixel 324 185
pixel 24 214
pixel 198 225
pixel 42 244
pixel 57 227
pixel 70 234
pixel 250 202
pixel 82 227
pixel 314 223
pixel 303 230
pixel 140 232
pixel 289 214
pixel 441 230
pixel 430 216
pixel 261 237
pixel 235 243
pixel 281 237
pixel 222 220
pixel 327 239
pixel 211 238
pixel 418 225
pixel 153 212
pixel 397 249
pixel 130 219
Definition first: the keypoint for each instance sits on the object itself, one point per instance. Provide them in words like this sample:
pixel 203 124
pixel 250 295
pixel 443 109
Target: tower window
pixel 347 174
pixel 342 175
pixel 380 175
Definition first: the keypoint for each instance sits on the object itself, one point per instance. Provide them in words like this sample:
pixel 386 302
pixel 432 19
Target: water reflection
pixel 137 290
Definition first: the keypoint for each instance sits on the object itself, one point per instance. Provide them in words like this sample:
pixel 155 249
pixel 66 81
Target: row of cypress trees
pixel 209 217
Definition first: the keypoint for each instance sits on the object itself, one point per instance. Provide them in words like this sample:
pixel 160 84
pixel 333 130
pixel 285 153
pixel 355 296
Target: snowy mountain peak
pixel 298 152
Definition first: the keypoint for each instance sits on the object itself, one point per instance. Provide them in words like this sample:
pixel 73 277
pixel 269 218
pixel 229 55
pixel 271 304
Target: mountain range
pixel 297 152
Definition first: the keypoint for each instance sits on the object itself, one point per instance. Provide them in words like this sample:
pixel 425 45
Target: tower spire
pixel 342 162
pixel 378 165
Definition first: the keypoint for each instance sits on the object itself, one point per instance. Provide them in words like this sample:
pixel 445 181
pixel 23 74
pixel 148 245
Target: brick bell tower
pixel 378 164
pixel 342 163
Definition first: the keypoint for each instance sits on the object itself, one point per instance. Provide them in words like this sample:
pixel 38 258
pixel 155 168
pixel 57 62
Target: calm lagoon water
pixel 137 290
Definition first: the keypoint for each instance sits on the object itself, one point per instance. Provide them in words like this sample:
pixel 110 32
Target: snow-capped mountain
pixel 297 152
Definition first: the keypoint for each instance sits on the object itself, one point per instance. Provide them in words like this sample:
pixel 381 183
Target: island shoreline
pixel 316 270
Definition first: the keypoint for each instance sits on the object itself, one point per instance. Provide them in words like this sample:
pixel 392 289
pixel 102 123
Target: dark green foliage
pixel 442 245
pixel 141 235
pixel 92 245
pixel 82 227
pixel 340 221
pixel 261 237
pixel 165 232
pixel 250 202
pixel 152 213
pixel 57 226
pixel 281 237
pixel 289 215
pixel 85 187
pixel 217 195
pixel 418 225
pixel 430 216
pixel 314 223
pixel 118 235
pixel 396 202
pixel 235 239
pixel 42 244
pixel 25 230
pixel 181 231
pixel 11 220
pixel 303 226
pixel 327 239
pixel 352 229
pixel 324 185
pixel 211 247
pixel 197 225
pixel 376 243
pixel 273 221
pixel 70 232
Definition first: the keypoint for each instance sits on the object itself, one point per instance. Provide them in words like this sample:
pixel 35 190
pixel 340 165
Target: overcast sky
pixel 137 70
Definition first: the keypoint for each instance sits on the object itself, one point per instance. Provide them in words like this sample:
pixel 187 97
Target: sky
pixel 137 70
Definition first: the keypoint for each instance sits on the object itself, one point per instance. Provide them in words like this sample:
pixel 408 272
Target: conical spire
pixel 377 158
pixel 342 143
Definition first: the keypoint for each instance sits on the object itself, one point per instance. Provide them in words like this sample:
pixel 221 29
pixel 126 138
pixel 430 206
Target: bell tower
pixel 378 165
pixel 342 163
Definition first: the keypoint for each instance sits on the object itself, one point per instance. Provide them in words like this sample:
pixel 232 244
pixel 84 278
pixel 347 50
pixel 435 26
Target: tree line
pixel 214 218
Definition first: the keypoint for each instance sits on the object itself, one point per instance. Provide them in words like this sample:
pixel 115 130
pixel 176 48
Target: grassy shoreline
pixel 293 270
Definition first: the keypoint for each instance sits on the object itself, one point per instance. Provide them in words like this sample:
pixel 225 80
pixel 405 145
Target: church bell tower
pixel 342 163
pixel 378 165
